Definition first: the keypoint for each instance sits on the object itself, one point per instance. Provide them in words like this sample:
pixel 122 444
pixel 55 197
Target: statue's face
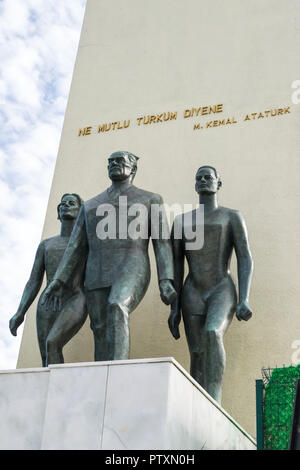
pixel 206 181
pixel 119 167
pixel 69 207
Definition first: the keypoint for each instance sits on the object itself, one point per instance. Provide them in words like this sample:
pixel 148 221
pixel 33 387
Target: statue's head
pixel 208 180
pixel 69 206
pixel 122 165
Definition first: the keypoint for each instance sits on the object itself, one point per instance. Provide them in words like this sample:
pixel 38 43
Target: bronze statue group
pixel 107 278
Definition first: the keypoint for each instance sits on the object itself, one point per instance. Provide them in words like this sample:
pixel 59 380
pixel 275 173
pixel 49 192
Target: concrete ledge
pixel 137 404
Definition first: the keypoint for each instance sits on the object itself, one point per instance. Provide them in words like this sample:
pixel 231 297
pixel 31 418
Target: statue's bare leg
pixel 221 306
pixel 96 305
pixel 71 318
pixel 194 328
pixel 44 321
pixel 194 309
pixel 126 293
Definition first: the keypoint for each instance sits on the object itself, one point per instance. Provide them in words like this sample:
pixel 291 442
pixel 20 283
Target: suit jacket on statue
pixel 107 258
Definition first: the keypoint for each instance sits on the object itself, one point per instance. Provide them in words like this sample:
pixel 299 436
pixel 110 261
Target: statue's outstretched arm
pixel 244 263
pixel 74 255
pixel 31 289
pixel 76 251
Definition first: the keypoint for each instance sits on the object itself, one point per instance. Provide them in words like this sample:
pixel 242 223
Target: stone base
pixel 149 404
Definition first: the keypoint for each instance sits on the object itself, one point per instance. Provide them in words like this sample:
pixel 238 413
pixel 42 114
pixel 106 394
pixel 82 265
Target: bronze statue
pixel 118 269
pixel 208 297
pixel 58 320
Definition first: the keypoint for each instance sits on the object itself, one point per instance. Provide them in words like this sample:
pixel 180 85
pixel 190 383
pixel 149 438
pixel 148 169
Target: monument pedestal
pixel 137 404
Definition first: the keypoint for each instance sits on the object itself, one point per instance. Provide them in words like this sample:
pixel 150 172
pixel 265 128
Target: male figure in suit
pixel 118 270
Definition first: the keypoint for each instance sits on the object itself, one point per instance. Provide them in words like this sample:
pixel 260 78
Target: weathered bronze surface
pixel 207 298
pixel 58 320
pixel 118 269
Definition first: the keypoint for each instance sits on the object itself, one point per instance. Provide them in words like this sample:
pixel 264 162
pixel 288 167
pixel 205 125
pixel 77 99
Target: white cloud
pixel 38 45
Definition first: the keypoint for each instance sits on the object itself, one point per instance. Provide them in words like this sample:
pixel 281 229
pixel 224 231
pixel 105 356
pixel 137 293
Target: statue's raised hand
pixel 52 297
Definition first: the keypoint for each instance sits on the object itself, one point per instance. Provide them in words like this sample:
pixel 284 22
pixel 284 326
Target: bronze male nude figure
pixel 58 321
pixel 207 298
pixel 118 269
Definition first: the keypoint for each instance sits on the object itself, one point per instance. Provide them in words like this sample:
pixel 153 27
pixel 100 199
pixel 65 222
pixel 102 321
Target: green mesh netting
pixel 278 407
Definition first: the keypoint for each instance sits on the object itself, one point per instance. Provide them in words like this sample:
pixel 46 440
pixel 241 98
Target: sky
pixel 38 46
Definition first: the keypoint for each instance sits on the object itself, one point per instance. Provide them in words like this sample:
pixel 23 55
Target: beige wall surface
pixel 139 58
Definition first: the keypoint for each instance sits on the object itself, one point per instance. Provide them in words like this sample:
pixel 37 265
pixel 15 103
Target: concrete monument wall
pixel 216 78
